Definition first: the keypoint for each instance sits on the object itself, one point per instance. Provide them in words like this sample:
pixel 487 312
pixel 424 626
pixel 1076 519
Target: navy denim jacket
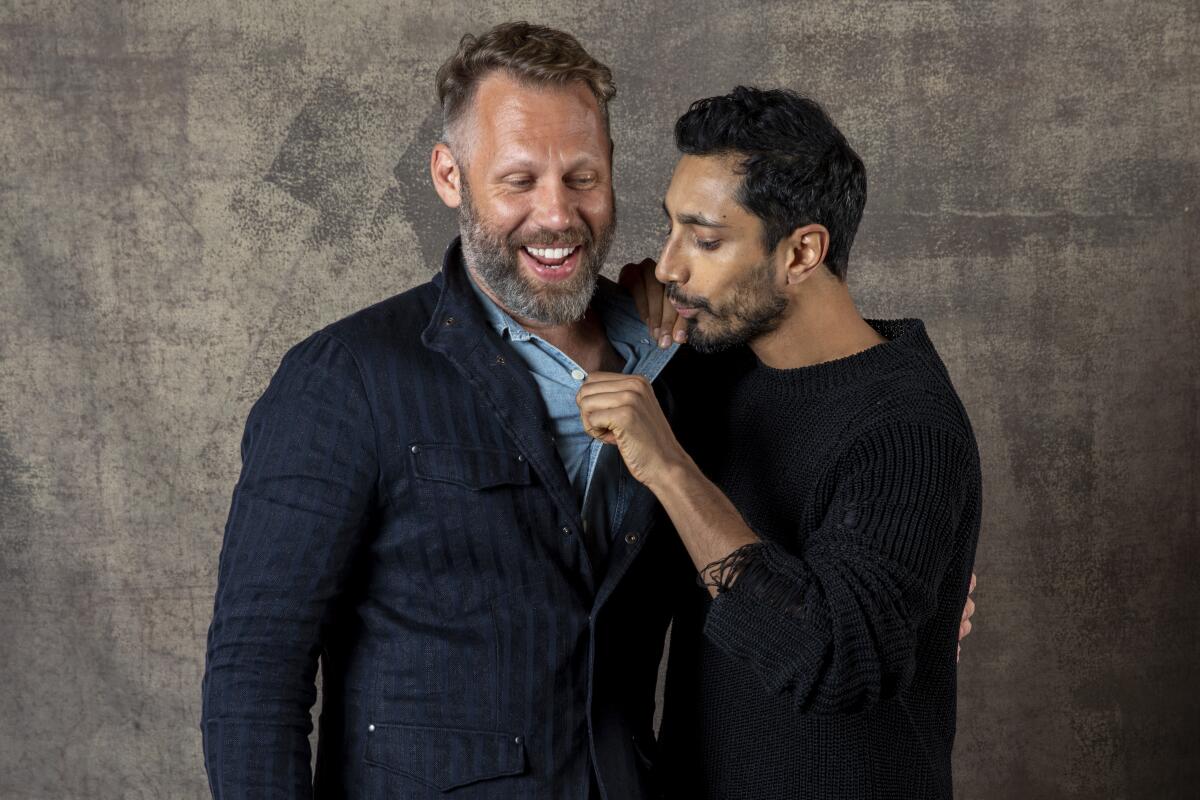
pixel 402 514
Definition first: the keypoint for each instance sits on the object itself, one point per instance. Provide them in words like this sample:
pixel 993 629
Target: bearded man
pixel 421 510
pixel 829 496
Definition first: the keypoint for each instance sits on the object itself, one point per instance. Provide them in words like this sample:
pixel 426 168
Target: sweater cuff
pixel 759 617
pixel 724 571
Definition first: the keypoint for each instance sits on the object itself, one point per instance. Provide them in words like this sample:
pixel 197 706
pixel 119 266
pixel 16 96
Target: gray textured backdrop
pixel 189 187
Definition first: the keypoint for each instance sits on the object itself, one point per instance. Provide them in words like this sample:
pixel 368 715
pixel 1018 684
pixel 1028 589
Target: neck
pixel 821 324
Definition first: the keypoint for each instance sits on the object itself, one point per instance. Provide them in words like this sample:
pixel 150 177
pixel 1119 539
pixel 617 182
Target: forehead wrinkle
pixel 514 151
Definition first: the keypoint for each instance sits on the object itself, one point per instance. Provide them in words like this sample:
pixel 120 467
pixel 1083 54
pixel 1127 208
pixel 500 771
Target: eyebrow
pixel 693 219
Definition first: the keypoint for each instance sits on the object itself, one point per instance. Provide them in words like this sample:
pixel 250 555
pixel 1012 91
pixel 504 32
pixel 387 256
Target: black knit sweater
pixel 825 667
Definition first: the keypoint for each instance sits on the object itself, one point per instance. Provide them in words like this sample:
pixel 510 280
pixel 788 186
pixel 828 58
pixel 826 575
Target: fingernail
pixel 665 341
pixel 680 336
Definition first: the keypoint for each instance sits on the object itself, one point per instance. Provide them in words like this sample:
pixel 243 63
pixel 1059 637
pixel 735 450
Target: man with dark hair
pixel 828 495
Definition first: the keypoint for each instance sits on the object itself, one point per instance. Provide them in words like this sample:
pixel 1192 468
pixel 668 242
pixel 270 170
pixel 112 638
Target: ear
pixel 446 174
pixel 803 251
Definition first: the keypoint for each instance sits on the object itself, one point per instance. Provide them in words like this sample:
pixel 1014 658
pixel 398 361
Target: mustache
pixel 673 293
pixel 545 238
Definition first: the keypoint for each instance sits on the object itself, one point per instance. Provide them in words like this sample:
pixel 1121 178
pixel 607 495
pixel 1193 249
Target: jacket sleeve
pixel 309 477
pixel 836 625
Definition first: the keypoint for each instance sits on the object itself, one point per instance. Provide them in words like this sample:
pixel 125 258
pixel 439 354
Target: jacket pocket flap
pixel 473 467
pixel 444 758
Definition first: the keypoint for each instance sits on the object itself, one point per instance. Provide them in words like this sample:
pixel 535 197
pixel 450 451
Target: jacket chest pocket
pixel 472 514
pixel 475 468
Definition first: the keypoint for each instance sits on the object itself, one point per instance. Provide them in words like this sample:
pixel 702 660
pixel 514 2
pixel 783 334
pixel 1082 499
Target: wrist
pixel 673 474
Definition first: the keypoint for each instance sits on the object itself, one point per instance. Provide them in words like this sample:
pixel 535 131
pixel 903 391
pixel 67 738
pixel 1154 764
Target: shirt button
pixel 578 374
pixel 631 537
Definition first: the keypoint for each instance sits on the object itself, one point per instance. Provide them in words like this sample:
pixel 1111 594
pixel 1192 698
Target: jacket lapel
pixel 459 331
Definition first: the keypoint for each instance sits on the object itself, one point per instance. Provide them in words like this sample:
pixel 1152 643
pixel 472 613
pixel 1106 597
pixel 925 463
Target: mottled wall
pixel 186 188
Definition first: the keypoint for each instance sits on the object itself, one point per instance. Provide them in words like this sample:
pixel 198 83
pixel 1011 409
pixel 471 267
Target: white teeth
pixel 550 252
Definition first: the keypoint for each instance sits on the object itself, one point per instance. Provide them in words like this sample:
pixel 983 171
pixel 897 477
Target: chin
pixel 707 343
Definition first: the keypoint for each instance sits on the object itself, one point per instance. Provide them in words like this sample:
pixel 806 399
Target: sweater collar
pixel 906 338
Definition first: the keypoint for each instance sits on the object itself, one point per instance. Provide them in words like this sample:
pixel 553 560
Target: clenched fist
pixel 622 410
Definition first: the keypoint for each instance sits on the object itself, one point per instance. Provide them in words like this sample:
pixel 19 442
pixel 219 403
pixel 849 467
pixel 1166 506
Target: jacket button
pixel 516 740
pixel 520 458
pixel 371 728
pixel 416 448
pixel 566 531
pixel 631 537
pixel 449 320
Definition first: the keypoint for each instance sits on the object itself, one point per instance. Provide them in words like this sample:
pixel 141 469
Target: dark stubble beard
pixel 754 308
pixel 496 261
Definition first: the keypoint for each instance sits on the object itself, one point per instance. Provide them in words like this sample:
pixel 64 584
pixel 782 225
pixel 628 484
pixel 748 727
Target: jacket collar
pixel 458 321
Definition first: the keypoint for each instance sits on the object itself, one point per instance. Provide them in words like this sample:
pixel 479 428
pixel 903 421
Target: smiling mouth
pixel 551 257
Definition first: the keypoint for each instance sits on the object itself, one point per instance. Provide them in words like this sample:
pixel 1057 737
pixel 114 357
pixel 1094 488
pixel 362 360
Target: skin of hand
pixel 964 627
pixel 650 296
pixel 622 410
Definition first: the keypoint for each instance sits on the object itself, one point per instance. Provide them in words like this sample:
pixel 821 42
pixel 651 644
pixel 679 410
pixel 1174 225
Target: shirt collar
pixel 617 312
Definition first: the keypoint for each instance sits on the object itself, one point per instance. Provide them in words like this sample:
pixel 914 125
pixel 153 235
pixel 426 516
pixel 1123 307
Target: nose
pixel 671 268
pixel 554 209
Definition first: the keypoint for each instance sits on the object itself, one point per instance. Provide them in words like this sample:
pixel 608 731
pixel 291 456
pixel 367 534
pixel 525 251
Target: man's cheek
pixel 597 213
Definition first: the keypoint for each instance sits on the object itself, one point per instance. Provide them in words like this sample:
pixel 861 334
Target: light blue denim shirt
pixel 596 471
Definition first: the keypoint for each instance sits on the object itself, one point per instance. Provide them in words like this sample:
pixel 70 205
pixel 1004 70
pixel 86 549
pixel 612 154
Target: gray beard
pixel 496 262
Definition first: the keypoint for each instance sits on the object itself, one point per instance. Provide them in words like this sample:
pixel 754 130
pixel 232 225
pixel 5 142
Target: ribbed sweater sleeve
pixel 835 625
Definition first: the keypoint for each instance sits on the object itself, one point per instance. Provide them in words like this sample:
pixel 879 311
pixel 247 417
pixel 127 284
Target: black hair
pixel 797 167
